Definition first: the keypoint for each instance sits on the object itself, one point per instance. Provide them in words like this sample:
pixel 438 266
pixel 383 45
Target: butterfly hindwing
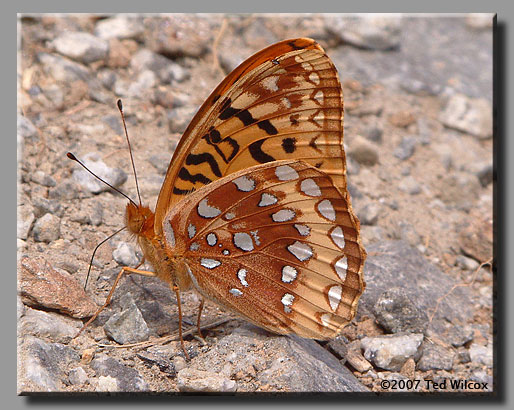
pixel 276 243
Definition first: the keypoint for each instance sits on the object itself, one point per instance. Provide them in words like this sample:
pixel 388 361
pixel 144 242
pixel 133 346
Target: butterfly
pixel 254 212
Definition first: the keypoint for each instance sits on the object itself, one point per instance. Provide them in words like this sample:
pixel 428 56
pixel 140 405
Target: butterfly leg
pixel 200 308
pixel 124 270
pixel 176 289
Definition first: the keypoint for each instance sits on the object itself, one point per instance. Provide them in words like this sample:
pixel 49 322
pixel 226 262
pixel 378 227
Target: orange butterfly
pixel 254 212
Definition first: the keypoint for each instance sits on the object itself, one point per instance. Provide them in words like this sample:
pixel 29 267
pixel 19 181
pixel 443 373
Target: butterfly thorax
pixel 168 266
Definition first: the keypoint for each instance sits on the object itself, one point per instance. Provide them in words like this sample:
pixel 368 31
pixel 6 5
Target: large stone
pixel 114 176
pixel 116 377
pixel 192 380
pixel 81 46
pixel 396 313
pixel 42 286
pixel 277 363
pixel 391 352
pixel 391 264
pixel 47 228
pixel 373 31
pixel 470 115
pixel 42 366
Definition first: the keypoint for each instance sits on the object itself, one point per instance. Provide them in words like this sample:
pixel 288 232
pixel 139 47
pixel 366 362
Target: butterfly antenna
pixel 74 158
pixel 94 252
pixel 120 107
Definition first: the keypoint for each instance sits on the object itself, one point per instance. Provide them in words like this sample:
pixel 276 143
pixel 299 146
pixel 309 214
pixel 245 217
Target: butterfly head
pixel 139 219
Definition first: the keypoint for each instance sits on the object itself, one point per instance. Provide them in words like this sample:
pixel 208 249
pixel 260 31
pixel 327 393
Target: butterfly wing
pixel 276 243
pixel 285 102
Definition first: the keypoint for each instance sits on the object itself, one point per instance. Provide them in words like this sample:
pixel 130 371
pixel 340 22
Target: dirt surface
pixel 412 176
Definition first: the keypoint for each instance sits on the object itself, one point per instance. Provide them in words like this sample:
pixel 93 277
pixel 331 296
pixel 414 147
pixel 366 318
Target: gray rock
pixel 462 355
pixel 81 46
pixel 114 122
pixel 25 128
pixel 193 380
pixel 482 377
pixel 138 87
pixel 466 263
pixel 369 214
pixel 459 336
pixel 390 263
pixel 445 153
pixel 435 357
pixel 89 217
pixel 114 176
pixel 160 162
pixel 39 177
pixel 376 32
pixel 107 78
pixel 395 312
pixel 119 26
pixel 47 228
pixel 469 115
pixel 363 151
pixel 374 134
pixel 24 221
pixel 459 189
pixel 338 347
pixel 179 362
pixel 55 95
pixel 115 376
pixel 166 69
pixel 77 376
pixel 483 171
pixel 355 359
pixel 281 363
pixel 179 118
pixel 48 324
pixel 126 254
pixel 165 365
pixel 62 69
pixel 409 185
pixel 42 365
pixel 481 354
pixel 406 148
pixel 372 233
pixel 352 166
pixel 391 352
pixel 65 190
pixel 406 232
pixel 107 384
pixel 128 326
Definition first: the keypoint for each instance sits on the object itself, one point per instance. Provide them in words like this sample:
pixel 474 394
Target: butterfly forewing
pixel 277 243
pixel 285 102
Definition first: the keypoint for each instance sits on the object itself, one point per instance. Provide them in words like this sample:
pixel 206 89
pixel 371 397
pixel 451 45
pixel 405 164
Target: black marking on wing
pixel 213 138
pixel 275 61
pixel 289 145
pixel 196 159
pixel 233 143
pixel 267 126
pixel 228 113
pixel 178 191
pixel 258 154
pixel 245 117
pixel 294 46
pixel 214 135
pixel 186 176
